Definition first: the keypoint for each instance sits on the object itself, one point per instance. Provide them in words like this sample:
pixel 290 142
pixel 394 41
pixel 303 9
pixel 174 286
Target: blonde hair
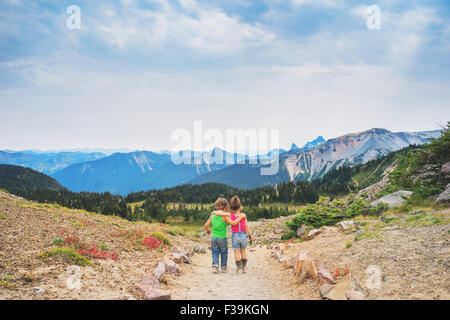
pixel 221 204
pixel 235 203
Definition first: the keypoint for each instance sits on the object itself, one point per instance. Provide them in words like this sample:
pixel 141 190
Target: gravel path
pixel 265 279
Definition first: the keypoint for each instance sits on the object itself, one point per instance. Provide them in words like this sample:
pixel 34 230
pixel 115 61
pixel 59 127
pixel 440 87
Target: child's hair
pixel 221 204
pixel 235 203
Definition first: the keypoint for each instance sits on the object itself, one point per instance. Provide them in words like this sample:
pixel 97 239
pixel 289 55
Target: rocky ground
pixel 410 251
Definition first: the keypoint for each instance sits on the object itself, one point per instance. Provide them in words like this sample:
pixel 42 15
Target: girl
pixel 239 235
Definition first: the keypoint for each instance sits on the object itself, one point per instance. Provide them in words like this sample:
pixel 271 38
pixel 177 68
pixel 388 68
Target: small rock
pixel 199 249
pixel 314 233
pixel 37 290
pixel 359 232
pixel 325 289
pixel 177 258
pixel 278 231
pixel 150 280
pixel 301 231
pixel 155 293
pixel 182 252
pixel 354 295
pixel 346 225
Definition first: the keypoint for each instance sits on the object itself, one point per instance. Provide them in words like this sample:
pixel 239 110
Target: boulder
pixel 445 169
pixel 181 258
pixel 151 293
pixel 394 199
pixel 150 280
pixel 354 295
pixel 345 226
pixel 324 275
pixel 445 195
pixel 305 264
pixel 301 231
pixel 314 232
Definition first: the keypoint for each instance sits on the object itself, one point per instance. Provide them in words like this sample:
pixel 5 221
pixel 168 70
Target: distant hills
pixel 123 173
pixel 16 177
pixel 46 162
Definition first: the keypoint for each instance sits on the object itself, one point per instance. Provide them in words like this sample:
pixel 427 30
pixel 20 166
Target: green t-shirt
pixel 219 227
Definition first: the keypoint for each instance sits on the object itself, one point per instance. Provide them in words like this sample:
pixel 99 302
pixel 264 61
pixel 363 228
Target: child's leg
pixel 223 253
pixel 215 252
pixel 243 252
pixel 237 255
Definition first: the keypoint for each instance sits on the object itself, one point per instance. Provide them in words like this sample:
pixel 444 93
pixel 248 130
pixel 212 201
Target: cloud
pixel 139 69
pixel 208 30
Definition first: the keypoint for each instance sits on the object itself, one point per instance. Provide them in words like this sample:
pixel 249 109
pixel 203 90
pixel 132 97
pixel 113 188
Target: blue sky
pixel 137 70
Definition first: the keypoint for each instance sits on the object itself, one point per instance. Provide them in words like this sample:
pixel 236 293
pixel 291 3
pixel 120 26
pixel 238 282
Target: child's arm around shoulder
pixel 221 213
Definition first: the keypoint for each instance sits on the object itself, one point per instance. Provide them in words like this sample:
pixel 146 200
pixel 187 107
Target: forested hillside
pixel 33 185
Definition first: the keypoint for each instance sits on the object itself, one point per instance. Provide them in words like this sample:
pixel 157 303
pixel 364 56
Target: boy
pixel 219 242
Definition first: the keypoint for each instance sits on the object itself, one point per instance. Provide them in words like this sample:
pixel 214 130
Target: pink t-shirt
pixel 240 227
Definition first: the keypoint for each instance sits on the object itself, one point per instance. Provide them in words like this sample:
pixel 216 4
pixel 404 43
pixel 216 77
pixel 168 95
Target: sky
pixel 136 71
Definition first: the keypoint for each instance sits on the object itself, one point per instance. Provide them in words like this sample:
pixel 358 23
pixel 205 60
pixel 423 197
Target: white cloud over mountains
pixel 137 70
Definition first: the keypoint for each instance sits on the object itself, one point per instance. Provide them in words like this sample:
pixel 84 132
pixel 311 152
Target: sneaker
pixel 215 269
pixel 224 270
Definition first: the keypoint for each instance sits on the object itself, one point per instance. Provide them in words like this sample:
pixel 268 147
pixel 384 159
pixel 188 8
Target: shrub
pixel 68 254
pixel 319 214
pixel 348 245
pixel 379 209
pixel 161 236
pixel 58 241
pixel 3 217
pixel 289 235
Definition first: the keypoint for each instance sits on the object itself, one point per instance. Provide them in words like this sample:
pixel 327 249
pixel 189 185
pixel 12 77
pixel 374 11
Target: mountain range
pixel 46 162
pixel 311 163
pixel 122 173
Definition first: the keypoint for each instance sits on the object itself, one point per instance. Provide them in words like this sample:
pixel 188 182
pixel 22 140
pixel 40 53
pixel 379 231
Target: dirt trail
pixel 265 279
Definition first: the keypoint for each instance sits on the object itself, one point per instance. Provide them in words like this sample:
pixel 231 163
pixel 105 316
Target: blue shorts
pixel 239 240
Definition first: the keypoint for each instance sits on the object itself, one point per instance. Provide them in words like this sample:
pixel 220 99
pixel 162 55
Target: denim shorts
pixel 239 240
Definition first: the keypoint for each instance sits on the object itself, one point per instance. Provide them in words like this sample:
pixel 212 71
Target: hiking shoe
pixel 215 270
pixel 224 270
pixel 244 269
